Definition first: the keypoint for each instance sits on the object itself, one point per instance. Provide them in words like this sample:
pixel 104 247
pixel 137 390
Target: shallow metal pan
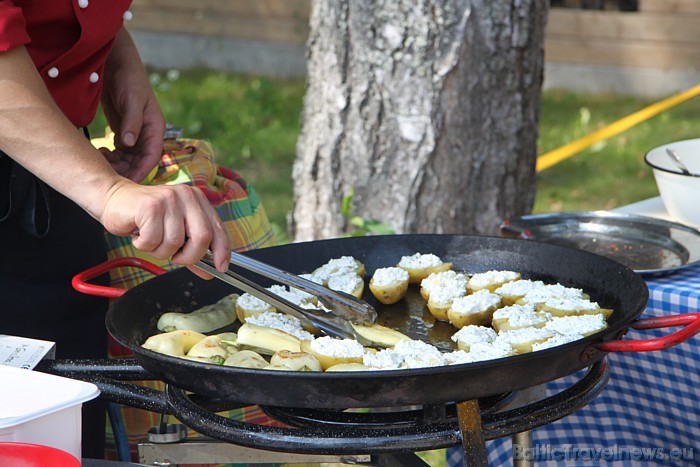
pixel 648 245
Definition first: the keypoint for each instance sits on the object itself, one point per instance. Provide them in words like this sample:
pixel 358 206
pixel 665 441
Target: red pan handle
pixel 80 284
pixel 690 321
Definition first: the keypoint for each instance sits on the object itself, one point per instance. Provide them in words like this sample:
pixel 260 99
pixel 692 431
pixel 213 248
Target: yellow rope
pixel 564 152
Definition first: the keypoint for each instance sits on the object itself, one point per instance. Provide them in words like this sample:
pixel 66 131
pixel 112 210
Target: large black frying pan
pixel 133 316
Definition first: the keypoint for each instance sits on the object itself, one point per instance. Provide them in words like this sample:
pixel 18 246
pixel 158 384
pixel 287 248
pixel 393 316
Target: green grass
pixel 253 124
pixel 611 173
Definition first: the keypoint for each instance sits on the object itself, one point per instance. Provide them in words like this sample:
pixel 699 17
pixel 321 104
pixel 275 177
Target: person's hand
pixel 122 162
pixel 132 112
pixel 172 221
pixel 138 125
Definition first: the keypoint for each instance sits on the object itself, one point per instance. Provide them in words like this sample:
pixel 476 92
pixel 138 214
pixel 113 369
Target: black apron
pixel 45 239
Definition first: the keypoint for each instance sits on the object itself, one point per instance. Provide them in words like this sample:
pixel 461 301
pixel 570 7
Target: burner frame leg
pixel 471 428
pixel 523 440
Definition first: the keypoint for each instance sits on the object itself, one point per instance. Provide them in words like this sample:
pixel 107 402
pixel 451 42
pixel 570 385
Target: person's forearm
pixel 124 58
pixel 35 133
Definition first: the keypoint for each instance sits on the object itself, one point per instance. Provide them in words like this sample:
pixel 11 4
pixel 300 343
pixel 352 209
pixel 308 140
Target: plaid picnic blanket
pixel 192 162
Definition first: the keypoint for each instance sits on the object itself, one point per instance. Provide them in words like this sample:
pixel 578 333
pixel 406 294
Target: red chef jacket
pixel 69 41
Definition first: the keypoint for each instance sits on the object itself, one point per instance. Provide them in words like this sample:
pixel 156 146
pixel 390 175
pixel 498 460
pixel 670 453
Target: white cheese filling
pixel 389 276
pixel 488 351
pixel 485 279
pixel 473 334
pixel 525 335
pixel 281 322
pixel 343 348
pixel 420 261
pixel 559 339
pixel 580 324
pixel 252 303
pixel 445 295
pixel 542 294
pixel 437 280
pixel 521 316
pixel 571 304
pixel 347 283
pixel 518 288
pixel 477 302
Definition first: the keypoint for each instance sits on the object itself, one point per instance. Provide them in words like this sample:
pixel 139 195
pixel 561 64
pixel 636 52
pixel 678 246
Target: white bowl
pixel 680 193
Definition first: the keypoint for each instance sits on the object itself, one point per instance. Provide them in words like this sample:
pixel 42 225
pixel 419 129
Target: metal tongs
pixel 345 309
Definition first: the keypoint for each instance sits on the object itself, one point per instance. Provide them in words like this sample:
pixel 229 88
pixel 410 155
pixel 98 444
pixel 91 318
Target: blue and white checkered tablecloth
pixel 647 415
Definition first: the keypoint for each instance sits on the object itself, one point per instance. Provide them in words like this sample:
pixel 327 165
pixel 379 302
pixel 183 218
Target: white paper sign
pixel 22 352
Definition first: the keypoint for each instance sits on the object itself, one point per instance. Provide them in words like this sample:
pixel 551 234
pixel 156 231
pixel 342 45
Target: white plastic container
pixel 42 409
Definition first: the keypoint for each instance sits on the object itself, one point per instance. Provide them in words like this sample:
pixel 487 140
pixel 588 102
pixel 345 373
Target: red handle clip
pixel 508 230
pixel 80 284
pixel 690 321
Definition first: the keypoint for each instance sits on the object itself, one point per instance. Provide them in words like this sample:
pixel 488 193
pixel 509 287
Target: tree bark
pixel 427 109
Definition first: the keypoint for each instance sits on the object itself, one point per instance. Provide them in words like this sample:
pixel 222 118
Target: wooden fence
pixel 664 35
pixel 282 21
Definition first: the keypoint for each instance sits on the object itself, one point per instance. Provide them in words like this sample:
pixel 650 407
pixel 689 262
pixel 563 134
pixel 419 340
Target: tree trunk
pixel 427 109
